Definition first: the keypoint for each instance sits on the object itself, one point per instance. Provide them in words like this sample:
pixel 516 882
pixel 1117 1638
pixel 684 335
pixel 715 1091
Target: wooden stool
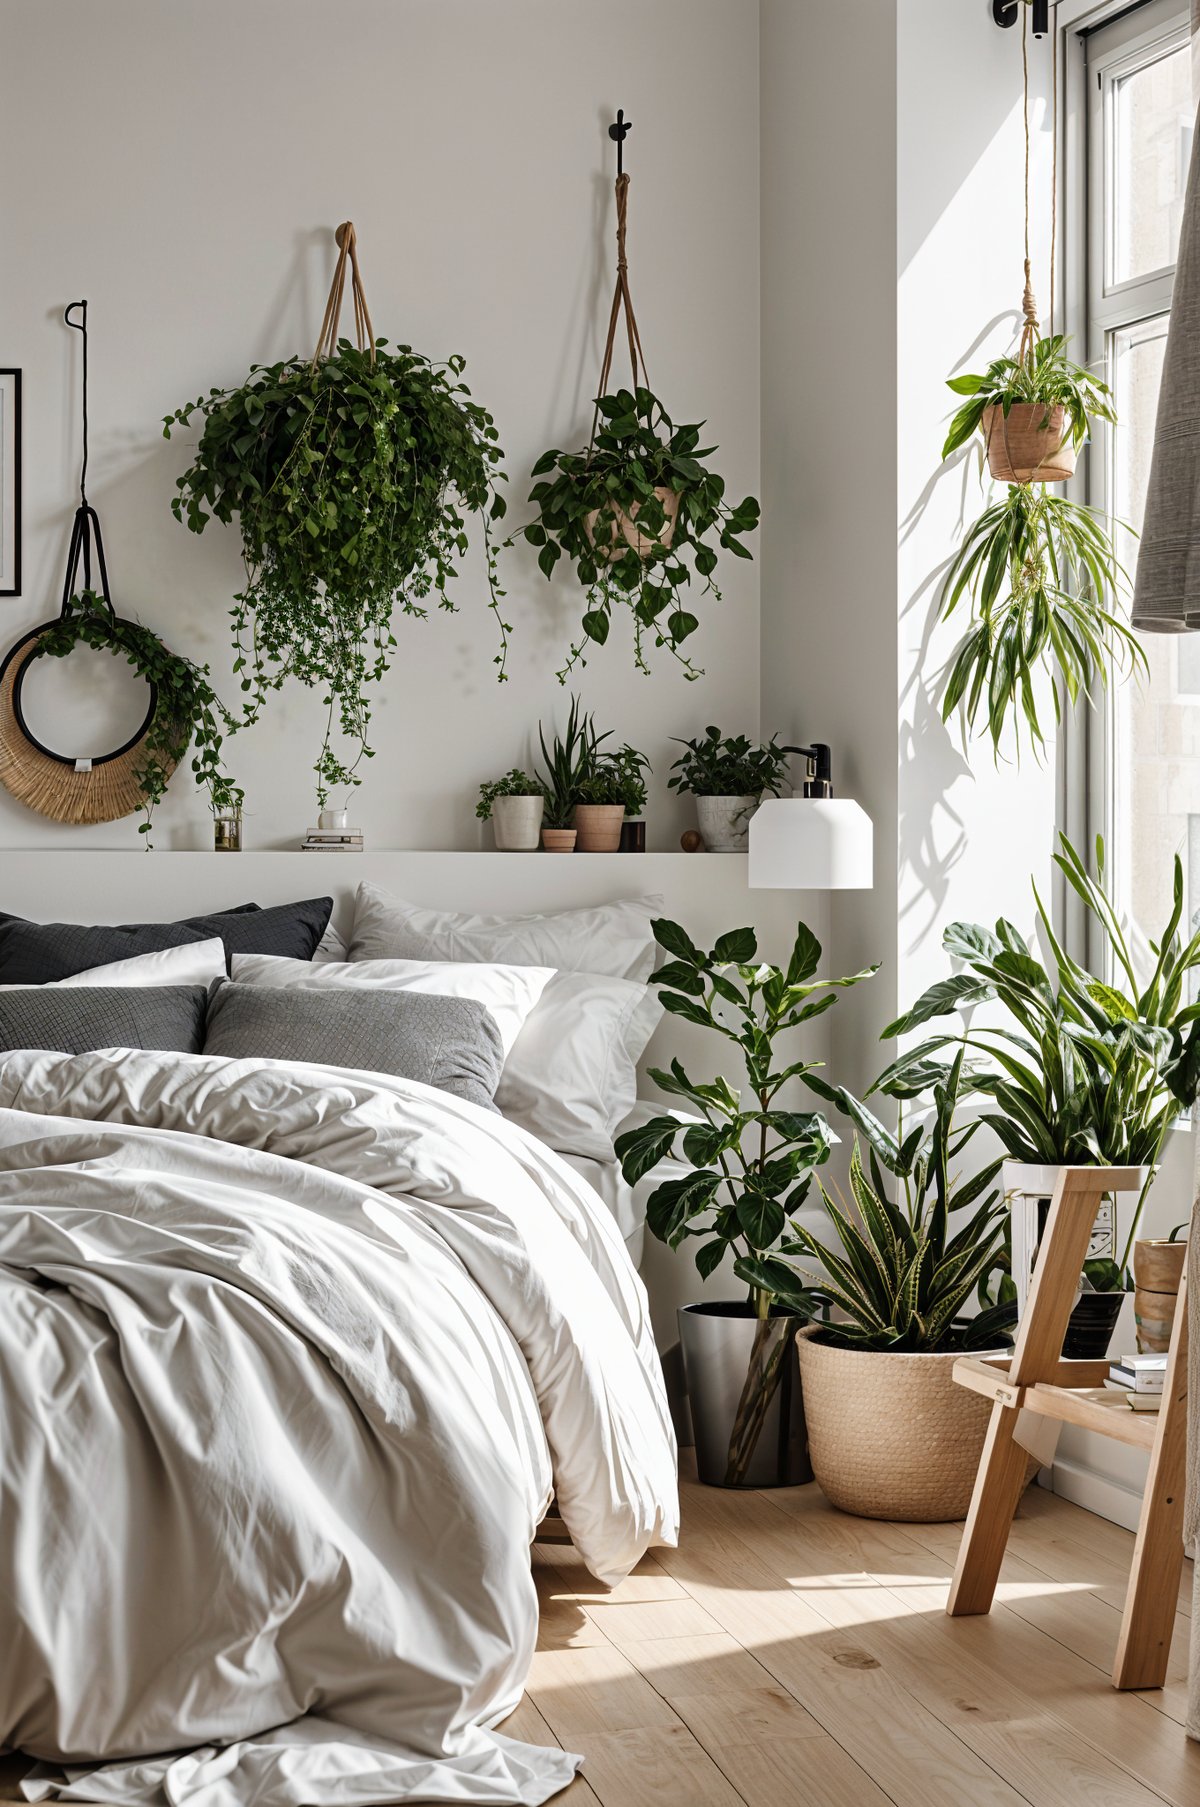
pixel 1036 1379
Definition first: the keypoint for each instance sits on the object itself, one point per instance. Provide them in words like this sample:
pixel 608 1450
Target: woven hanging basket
pixel 65 790
pixel 1032 444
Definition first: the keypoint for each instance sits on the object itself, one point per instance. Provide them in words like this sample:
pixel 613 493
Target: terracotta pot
pixel 724 822
pixel 891 1436
pixel 599 826
pixel 623 531
pixel 1157 1271
pixel 517 823
pixel 558 840
pixel 1028 446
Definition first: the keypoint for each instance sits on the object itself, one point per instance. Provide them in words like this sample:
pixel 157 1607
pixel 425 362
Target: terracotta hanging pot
pixel 623 529
pixel 1031 444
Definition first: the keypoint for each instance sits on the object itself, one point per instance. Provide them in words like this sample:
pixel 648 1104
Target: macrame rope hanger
pixel 622 300
pixel 1031 330
pixel 364 333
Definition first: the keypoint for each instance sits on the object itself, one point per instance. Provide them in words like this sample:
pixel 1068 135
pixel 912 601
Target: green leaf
pixel 737 947
pixel 640 1149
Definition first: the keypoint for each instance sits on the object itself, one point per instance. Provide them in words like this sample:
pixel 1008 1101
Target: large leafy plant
pixel 718 765
pixel 351 479
pixel 1075 1068
pixel 188 712
pixel 908 1264
pixel 586 501
pixel 752 1158
pixel 1045 376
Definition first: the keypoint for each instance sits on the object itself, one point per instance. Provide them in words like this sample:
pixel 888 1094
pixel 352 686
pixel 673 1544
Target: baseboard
pixel 1098 1493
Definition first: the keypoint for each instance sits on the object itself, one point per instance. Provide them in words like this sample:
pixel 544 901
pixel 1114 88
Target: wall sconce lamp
pixel 1007 12
pixel 814 842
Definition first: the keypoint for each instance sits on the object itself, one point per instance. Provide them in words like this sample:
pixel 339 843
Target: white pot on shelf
pixel 724 822
pixel 517 823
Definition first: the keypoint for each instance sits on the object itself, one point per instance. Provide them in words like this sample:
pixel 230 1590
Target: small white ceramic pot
pixel 517 823
pixel 337 820
pixel 724 822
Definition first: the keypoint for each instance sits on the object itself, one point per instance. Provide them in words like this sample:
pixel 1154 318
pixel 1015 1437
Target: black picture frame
pixel 10 498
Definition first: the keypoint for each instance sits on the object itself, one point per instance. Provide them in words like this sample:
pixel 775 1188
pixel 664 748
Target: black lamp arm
pixel 819 782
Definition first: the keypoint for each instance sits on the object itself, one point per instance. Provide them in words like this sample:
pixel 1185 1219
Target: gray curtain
pixel 1166 598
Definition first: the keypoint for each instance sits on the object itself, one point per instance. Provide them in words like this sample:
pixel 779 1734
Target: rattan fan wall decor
pixel 182 707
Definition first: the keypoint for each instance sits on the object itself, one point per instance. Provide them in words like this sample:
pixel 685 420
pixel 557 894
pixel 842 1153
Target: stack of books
pixel 332 840
pixel 1141 1379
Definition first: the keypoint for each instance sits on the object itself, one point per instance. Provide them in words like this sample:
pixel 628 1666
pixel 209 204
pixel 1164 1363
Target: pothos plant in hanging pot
pixel 637 511
pixel 351 475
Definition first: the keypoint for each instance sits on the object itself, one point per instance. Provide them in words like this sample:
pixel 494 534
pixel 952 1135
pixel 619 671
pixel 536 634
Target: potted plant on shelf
pixel 1078 1072
pixel 513 805
pixel 612 779
pixel 752 1162
pixel 637 513
pixel 566 761
pixel 351 475
pixel 890 1434
pixel 1041 572
pixel 1158 1264
pixel 634 767
pixel 728 776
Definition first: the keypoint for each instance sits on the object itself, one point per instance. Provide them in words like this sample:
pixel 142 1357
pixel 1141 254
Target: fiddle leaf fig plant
pixel 351 479
pixel 639 514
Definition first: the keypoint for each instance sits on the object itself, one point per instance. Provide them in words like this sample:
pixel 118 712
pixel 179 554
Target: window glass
pixel 1152 141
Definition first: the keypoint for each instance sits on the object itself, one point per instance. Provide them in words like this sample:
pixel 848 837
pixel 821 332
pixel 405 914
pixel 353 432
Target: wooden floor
pixel 788 1656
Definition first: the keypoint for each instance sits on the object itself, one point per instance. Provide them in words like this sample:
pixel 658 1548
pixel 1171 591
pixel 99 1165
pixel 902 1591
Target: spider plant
pixel 1044 582
pixel 1044 375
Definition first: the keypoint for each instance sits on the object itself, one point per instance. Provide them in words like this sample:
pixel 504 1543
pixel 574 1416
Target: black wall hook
pixel 619 132
pixel 1007 12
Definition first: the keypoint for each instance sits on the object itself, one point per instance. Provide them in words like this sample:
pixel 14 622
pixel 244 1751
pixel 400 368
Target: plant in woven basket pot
pixel 514 806
pixel 1071 1069
pixel 729 776
pixel 352 475
pixel 639 515
pixel 749 1163
pixel 890 1433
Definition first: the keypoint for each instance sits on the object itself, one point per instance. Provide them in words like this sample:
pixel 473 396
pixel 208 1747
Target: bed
pixel 293 1355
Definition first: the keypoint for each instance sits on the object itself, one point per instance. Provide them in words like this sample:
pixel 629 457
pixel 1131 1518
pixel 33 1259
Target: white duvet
pixel 290 1359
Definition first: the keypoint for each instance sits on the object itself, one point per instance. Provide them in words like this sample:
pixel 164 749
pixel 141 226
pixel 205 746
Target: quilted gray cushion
pixel 451 1043
pixel 84 1017
pixel 34 953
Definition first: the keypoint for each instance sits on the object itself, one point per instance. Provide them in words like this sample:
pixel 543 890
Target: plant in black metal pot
pixel 728 775
pixel 351 476
pixel 751 1162
pixel 1072 1070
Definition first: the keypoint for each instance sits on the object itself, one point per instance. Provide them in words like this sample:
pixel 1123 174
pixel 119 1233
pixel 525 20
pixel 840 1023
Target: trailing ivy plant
pixel 187 709
pixel 592 503
pixel 351 480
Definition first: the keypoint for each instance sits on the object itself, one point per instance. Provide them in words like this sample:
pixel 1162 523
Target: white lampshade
pixel 811 844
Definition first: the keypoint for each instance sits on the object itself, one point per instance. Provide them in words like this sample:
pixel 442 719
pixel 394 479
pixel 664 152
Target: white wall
pixel 183 167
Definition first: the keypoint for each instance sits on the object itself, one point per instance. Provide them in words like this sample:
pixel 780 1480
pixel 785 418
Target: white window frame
pixel 1095 307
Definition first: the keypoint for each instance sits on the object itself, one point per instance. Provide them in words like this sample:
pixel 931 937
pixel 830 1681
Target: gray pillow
pixel 451 1043
pixel 83 1017
pixel 36 953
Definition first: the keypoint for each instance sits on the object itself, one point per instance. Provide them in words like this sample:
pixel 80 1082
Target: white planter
pixel 724 822
pixel 517 823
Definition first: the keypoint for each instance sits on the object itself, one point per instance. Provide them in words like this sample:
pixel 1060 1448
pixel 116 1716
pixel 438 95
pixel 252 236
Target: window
pixel 1145 754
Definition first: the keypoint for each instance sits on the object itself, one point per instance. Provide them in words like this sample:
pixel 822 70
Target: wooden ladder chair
pixel 1036 1380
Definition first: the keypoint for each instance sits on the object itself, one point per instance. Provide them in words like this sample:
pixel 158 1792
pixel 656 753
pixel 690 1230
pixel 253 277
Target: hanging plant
pixel 351 477
pixel 1041 572
pixel 637 512
pixel 187 710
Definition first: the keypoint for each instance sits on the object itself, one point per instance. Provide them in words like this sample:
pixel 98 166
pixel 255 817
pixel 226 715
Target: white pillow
pixel 614 938
pixel 508 993
pixel 570 1075
pixel 196 963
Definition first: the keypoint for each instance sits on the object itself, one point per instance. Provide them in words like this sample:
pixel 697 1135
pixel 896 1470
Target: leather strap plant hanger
pixel 67 788
pixel 1033 443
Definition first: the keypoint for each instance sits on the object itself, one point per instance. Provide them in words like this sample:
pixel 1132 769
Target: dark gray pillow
pixel 37 953
pixel 451 1043
pixel 79 1018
